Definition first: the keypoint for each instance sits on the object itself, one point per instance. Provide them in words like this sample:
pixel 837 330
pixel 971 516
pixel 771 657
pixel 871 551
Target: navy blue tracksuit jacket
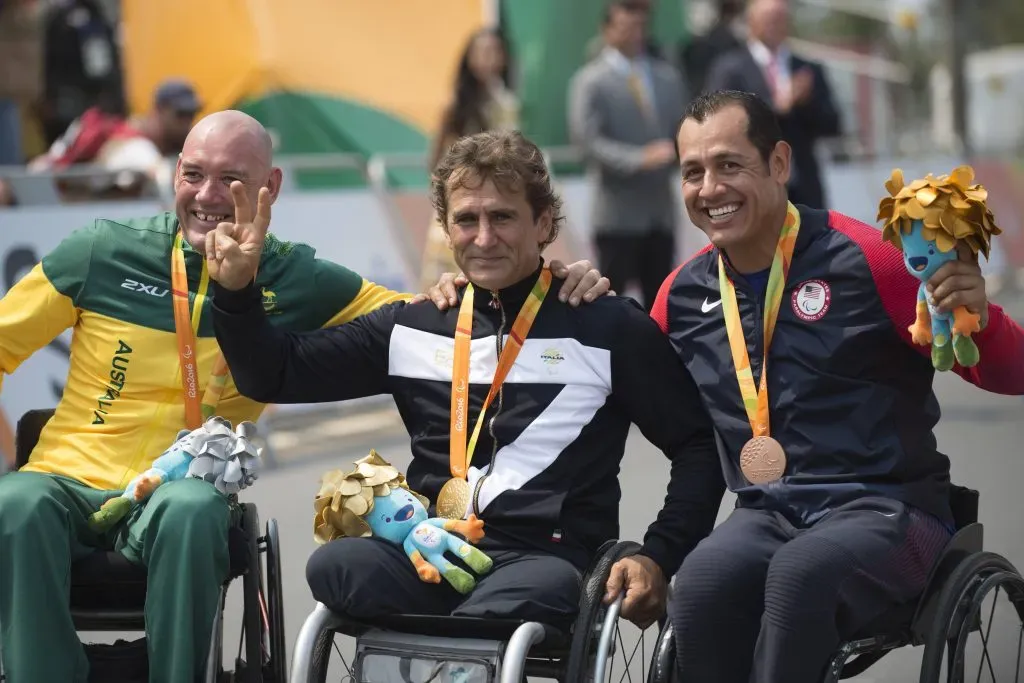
pixel 851 396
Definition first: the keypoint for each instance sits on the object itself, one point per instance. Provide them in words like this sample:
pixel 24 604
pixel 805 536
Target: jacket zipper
pixel 498 343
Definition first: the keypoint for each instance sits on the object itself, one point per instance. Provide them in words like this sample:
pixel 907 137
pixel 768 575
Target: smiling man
pixel 552 388
pixel 144 365
pixel 794 325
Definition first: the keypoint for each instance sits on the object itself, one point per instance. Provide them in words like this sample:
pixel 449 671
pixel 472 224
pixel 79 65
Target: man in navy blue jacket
pixel 843 497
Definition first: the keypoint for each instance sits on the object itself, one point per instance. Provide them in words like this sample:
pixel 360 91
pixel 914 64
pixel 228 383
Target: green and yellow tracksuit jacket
pixel 111 282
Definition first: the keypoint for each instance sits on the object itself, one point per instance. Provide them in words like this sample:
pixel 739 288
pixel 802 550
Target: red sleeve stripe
pixel 659 311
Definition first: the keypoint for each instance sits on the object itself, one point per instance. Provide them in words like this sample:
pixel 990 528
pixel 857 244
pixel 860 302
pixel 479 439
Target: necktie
pixel 636 86
pixel 771 74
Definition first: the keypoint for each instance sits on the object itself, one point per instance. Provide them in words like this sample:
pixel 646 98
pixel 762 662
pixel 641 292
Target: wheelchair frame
pixel 963 574
pixel 530 648
pixel 265 619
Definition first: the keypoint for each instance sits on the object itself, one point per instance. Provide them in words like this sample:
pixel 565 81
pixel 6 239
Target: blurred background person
pixel 483 99
pixel 623 110
pixel 82 65
pixel 139 147
pixel 797 87
pixel 596 44
pixel 21 73
pixel 727 33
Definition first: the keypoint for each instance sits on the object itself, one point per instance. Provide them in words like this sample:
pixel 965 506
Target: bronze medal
pixel 453 499
pixel 762 460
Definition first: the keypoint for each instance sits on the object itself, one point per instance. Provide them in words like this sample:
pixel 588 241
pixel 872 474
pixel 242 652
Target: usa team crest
pixel 811 300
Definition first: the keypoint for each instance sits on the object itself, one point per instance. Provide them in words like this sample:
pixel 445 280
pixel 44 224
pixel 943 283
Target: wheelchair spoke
pixel 960 653
pixel 984 640
pixel 264 642
pixel 344 662
pixel 632 654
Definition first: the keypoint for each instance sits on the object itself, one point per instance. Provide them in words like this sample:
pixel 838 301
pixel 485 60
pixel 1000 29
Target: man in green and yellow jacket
pixel 145 365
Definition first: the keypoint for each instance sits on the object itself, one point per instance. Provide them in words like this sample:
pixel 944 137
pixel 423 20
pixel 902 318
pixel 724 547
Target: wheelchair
pixel 108 593
pixel 440 648
pixel 941 619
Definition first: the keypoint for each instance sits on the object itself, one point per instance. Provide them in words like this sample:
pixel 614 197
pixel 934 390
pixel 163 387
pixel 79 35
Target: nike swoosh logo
pixel 705 307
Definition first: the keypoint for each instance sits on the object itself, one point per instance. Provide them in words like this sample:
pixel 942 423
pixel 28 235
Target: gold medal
pixel 762 460
pixel 453 499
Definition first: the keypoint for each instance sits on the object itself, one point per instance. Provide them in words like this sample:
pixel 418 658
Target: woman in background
pixel 483 100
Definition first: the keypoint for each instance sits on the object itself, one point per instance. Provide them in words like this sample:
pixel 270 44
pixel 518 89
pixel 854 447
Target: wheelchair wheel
pixel 959 614
pixel 586 637
pixel 664 657
pixel 275 670
pixel 321 659
pixel 252 589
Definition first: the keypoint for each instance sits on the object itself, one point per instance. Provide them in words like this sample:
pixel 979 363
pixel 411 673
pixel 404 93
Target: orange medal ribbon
pixel 461 455
pixel 186 327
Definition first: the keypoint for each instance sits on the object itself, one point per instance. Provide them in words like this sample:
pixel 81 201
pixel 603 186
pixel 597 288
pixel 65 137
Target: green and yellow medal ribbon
pixel 755 401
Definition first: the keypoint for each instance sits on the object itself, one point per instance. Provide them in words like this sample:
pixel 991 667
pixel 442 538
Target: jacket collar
pixel 812 223
pixel 510 299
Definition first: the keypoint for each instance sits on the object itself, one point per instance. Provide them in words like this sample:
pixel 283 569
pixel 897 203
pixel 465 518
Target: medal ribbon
pixel 186 327
pixel 460 454
pixel 755 401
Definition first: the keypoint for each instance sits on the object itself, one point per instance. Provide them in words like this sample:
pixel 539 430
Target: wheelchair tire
pixel 957 607
pixel 663 659
pixel 321 658
pixel 275 605
pixel 592 610
pixel 252 587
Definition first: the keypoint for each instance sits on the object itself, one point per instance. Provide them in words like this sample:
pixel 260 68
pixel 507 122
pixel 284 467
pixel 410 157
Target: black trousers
pixel 760 600
pixel 370 577
pixel 645 258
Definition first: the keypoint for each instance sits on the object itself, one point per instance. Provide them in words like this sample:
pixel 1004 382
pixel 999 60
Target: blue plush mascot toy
pixel 374 500
pixel 934 221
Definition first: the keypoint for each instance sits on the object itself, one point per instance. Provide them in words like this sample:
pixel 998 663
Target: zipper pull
pixel 495 302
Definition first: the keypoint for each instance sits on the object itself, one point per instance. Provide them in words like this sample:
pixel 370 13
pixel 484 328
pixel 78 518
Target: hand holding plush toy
pixel 931 221
pixel 374 500
pixel 213 452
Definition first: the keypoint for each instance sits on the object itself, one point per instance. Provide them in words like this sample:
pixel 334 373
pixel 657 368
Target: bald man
pixel 139 374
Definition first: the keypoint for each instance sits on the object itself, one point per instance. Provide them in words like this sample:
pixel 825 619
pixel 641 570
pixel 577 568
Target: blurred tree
pixel 1000 23
pixel 834 27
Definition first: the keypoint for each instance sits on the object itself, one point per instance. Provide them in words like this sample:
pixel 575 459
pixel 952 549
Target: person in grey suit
pixel 623 109
pixel 797 88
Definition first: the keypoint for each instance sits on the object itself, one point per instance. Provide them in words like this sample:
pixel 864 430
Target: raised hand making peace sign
pixel 233 249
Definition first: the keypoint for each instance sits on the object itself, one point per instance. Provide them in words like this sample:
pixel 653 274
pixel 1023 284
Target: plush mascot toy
pixel 213 452
pixel 934 221
pixel 374 500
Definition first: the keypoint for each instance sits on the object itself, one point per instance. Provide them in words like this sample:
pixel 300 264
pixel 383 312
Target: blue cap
pixel 178 95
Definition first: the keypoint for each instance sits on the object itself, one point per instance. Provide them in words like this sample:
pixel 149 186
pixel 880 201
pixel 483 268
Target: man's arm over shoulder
pixel 1001 343
pixel 657 392
pixel 586 126
pixel 44 302
pixel 271 365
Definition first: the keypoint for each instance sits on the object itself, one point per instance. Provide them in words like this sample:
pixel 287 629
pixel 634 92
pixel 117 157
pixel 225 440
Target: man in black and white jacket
pixel 544 477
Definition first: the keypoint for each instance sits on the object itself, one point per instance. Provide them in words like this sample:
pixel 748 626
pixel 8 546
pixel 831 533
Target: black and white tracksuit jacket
pixel 561 421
